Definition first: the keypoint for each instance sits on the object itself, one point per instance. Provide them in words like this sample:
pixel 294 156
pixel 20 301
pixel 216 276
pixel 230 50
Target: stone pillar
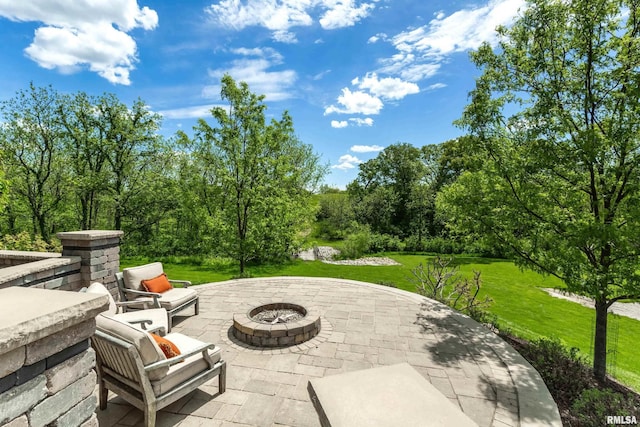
pixel 100 253
pixel 46 363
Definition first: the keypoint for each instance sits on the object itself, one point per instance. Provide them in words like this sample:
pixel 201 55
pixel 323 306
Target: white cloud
pixel 280 16
pixel 356 103
pixel 362 122
pixel 377 37
pixel 343 13
pixel 83 33
pixel 195 112
pixel 386 88
pixel 255 68
pixel 422 50
pixel 283 36
pixel 463 30
pixel 339 124
pixel 347 162
pixel 366 148
pixel 436 86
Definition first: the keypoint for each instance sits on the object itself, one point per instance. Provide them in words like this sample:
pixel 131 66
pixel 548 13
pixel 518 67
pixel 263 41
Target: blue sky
pixel 356 76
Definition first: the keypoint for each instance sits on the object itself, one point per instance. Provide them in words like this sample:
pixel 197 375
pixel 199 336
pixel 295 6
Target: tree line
pixel 238 188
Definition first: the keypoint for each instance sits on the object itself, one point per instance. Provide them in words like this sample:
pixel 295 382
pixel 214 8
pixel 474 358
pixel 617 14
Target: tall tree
pixel 555 116
pixel 86 154
pixel 262 175
pixel 387 193
pixel 32 143
pixel 132 144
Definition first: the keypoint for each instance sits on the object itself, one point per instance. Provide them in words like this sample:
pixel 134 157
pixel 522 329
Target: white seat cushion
pixel 175 297
pixel 141 340
pixel 134 275
pixel 181 372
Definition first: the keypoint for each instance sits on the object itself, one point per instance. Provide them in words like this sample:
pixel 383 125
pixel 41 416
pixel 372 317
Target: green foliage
pixel 259 177
pixel 24 241
pixel 554 121
pixel 356 244
pixel 563 370
pixel 594 405
pixel 335 215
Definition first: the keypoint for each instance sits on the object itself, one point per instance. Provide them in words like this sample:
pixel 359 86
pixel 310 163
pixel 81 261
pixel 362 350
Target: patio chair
pixel 130 283
pixel 130 363
pixel 151 319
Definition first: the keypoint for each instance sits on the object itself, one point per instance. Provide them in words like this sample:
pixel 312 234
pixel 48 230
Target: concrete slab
pixel 395 395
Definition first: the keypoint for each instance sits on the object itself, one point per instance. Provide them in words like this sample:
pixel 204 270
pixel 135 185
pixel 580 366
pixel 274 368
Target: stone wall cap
pixel 30 314
pixel 8 274
pixel 90 234
pixel 27 255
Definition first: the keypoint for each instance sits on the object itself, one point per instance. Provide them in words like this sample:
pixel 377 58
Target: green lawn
pixel 518 303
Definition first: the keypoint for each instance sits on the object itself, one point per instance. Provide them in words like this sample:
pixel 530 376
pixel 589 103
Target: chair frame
pixel 125 294
pixel 120 369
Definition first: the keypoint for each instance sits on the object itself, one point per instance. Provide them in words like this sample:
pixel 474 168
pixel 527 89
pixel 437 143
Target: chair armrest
pixel 126 304
pixel 173 360
pixel 155 296
pixel 143 323
pixel 185 283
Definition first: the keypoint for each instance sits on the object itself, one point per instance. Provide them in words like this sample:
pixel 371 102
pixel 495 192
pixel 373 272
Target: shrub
pixel 593 406
pixel 563 370
pixel 356 244
pixel 23 241
pixel 384 243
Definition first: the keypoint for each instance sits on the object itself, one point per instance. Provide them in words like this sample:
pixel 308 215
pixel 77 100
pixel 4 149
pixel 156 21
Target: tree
pixel 132 146
pixel 32 143
pixel 86 154
pixel 384 189
pixel 555 117
pixel 262 175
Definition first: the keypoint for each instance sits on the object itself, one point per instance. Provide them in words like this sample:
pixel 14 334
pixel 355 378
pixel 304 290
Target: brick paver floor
pixel 363 326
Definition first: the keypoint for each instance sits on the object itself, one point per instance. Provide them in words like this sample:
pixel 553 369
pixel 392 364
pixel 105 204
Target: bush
pixel 356 244
pixel 563 370
pixel 593 406
pixel 384 243
pixel 25 242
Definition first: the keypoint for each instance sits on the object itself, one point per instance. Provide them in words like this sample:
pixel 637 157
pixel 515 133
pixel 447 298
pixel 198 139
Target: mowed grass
pixel 518 300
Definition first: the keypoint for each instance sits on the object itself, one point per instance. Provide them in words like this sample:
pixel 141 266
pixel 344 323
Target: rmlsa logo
pixel 622 420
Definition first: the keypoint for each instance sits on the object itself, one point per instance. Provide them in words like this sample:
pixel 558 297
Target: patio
pixel 363 326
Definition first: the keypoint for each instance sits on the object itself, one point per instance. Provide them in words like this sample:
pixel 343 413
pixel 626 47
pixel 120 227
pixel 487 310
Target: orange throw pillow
pixel 158 284
pixel 168 348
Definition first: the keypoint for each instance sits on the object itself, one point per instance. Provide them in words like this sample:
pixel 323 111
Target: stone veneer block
pixel 54 406
pixel 91 422
pixel 22 421
pixel 79 413
pixel 70 370
pixel 59 341
pixel 19 400
pixel 89 238
pixel 28 314
pixel 11 361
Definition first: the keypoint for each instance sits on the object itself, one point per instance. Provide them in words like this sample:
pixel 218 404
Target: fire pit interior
pixel 277 324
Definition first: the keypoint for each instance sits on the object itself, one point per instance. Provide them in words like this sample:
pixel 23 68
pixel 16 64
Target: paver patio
pixel 363 326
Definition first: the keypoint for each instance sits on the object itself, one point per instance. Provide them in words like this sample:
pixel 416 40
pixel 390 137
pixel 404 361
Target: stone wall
pixel 87 256
pixel 46 363
pixel 99 251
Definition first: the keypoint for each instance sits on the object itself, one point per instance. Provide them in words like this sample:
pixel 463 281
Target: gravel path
pixel 631 309
pixel 327 253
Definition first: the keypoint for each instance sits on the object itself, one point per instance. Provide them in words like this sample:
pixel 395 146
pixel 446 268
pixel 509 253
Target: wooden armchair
pixel 173 300
pixel 130 363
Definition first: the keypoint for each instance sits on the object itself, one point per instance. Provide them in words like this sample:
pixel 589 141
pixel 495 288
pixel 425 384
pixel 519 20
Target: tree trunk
pixel 600 342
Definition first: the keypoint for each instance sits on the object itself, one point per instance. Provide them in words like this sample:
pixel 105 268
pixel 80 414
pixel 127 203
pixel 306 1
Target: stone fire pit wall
pixel 46 363
pixel 280 334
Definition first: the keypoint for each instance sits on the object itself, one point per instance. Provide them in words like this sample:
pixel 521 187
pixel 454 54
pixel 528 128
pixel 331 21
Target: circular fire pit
pixel 277 324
